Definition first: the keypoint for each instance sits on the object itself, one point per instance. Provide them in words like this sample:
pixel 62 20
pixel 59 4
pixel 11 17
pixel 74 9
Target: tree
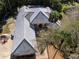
pixel 67 1
pixel 56 5
pixel 64 39
pixel 9 7
pixel 54 16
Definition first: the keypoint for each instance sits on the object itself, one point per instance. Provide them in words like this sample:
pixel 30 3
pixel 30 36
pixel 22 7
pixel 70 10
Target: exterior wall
pixel 33 56
pixel 24 57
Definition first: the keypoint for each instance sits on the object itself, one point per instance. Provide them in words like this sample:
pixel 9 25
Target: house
pixel 28 20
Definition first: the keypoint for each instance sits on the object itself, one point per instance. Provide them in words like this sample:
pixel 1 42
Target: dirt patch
pixel 5 50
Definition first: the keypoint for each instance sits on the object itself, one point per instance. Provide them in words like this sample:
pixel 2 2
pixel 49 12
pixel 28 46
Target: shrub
pixel 54 16
pixel 66 7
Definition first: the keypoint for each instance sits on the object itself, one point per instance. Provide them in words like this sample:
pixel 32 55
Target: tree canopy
pixel 10 6
pixel 65 39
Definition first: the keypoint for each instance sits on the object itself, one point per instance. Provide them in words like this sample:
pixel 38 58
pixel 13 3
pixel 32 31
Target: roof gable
pixel 40 18
pixel 24 49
